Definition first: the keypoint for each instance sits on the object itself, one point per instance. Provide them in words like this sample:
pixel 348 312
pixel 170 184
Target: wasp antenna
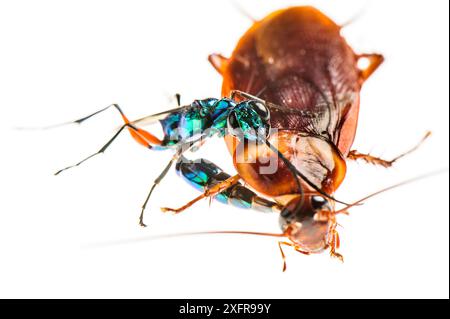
pixel 79 121
pixel 297 172
pixel 294 172
pixel 41 128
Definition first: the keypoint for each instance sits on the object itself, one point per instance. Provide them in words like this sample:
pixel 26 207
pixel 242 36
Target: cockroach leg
pixel 283 256
pixel 368 63
pixel 334 244
pixel 296 248
pixel 219 62
pixel 156 182
pixel 139 135
pixel 209 192
pixel 355 155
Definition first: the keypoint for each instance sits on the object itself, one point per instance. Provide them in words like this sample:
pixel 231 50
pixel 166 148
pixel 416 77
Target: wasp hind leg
pixel 355 155
pixel 141 136
pixel 215 183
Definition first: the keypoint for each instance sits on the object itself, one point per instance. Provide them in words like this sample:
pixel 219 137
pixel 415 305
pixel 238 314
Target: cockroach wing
pixel 296 58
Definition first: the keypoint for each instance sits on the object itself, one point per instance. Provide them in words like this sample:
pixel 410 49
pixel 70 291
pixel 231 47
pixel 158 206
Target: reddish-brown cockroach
pixel 296 58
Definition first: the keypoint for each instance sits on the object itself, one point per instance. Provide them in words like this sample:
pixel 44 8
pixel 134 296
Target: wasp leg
pixel 178 98
pixel 156 182
pixel 207 176
pixel 135 131
pixel 373 62
pixel 243 95
pixel 139 135
pixel 209 192
pixel 283 256
pixel 355 155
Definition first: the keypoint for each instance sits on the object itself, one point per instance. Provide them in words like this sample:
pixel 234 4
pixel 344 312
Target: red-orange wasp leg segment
pixel 209 192
pixel 283 256
pixel 139 135
pixel 373 62
pixel 355 155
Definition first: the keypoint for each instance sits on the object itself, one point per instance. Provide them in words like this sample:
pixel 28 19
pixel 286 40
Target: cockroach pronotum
pixel 290 97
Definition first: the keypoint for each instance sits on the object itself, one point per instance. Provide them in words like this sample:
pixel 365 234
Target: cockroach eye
pixel 318 202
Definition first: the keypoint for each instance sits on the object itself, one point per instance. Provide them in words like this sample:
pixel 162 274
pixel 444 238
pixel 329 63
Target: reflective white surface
pixel 60 61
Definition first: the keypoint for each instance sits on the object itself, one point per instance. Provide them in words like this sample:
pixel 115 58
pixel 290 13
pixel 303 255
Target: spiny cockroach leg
pixel 355 155
pixel 296 248
pixel 335 243
pixel 283 256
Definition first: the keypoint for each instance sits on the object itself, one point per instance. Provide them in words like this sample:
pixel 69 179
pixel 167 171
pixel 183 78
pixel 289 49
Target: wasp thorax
pixel 249 120
pixel 307 224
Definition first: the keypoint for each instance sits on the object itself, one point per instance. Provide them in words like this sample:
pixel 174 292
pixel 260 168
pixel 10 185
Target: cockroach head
pixel 250 120
pixel 308 223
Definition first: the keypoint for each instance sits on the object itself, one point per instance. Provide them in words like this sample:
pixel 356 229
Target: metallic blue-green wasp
pixel 187 127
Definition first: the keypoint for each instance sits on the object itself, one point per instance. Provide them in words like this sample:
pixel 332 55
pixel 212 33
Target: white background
pixel 68 236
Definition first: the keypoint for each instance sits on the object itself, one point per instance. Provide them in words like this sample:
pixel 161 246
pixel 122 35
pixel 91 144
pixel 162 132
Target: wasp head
pixel 249 120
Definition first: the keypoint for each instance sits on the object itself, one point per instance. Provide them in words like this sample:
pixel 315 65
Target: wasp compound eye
pixel 261 109
pixel 233 125
pixel 244 122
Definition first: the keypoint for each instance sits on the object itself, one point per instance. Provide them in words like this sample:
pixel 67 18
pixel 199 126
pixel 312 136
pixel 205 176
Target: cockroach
pixel 291 93
pixel 297 58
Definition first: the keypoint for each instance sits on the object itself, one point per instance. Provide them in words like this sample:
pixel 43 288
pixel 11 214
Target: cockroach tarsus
pixel 290 97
